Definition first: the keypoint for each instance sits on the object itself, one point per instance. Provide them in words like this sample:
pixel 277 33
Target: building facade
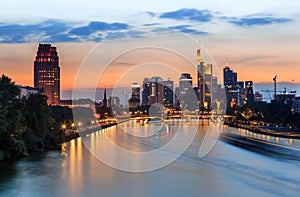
pixel 168 93
pixel 145 91
pixel 134 101
pixel 156 91
pixel 47 73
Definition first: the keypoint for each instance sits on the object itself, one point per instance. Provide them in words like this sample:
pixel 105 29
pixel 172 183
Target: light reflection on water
pixel 278 140
pixel 227 171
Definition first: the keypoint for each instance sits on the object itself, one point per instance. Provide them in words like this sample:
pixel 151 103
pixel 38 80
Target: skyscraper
pixel 135 91
pixel 185 95
pixel 185 80
pixel 227 72
pixel 156 91
pixel 134 101
pixel 145 91
pixel 168 93
pixel 250 94
pixel 204 82
pixel 47 73
pixel 231 85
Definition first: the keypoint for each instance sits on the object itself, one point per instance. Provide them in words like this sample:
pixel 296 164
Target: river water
pixel 227 170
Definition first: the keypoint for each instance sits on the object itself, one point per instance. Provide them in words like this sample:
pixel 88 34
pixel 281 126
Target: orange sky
pixel 253 61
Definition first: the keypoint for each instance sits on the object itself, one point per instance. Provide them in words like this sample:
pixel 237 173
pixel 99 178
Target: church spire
pixel 104 99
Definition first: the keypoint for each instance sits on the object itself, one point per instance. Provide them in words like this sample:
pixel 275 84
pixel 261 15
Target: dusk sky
pixel 260 38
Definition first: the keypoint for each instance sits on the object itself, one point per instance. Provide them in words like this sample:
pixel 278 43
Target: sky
pixel 260 38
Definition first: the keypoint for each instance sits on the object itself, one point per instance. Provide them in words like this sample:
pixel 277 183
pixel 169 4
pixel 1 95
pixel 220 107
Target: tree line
pixel 28 124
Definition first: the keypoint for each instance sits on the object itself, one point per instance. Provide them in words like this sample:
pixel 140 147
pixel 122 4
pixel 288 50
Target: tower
pixel 204 82
pixel 156 91
pixel 134 101
pixel 47 73
pixel 250 95
pixel 145 91
pixel 104 99
pixel 168 93
pixel 186 97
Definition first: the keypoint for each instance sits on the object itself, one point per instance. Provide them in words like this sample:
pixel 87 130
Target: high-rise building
pixel 204 83
pixel 145 91
pixel 134 101
pixel 250 95
pixel 231 86
pixel 47 73
pixel 186 96
pixel 114 102
pixel 228 75
pixel 135 91
pixel 168 93
pixel 156 91
pixel 185 80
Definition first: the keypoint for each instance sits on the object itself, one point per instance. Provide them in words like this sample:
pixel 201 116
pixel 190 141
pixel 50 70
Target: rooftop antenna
pixel 227 62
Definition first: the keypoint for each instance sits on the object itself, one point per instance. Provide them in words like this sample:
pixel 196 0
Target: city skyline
pixel 254 37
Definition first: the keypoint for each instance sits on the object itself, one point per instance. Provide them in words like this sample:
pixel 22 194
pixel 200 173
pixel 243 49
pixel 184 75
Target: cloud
pixel 189 14
pixel 58 31
pixel 96 31
pixel 95 26
pixel 187 29
pixel 150 24
pixel 152 14
pixel 124 34
pixel 49 30
pixel 258 20
pixel 180 28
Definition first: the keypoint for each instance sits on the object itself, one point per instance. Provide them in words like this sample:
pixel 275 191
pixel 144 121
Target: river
pixel 227 170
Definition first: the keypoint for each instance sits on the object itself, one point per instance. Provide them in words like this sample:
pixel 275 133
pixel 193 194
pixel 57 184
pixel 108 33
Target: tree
pixel 11 118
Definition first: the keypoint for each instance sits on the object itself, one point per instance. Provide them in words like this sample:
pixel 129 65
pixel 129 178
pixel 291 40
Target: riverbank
pixel 75 135
pixel 4 155
pixel 259 130
pixel 260 146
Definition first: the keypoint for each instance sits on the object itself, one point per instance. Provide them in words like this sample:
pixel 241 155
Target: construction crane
pixel 268 91
pixel 275 89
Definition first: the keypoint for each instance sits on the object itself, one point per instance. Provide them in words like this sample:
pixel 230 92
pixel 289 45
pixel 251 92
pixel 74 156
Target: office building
pixel 258 97
pixel 156 91
pixel 114 102
pixel 186 95
pixel 250 94
pixel 168 93
pixel 145 91
pixel 47 73
pixel 134 101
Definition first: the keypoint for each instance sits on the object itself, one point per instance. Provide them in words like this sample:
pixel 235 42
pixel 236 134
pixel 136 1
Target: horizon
pixel 256 38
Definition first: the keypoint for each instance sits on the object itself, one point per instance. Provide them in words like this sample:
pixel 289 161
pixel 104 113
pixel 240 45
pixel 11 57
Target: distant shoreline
pixel 258 130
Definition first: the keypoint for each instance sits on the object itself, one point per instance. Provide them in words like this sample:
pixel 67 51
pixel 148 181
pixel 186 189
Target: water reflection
pixel 226 171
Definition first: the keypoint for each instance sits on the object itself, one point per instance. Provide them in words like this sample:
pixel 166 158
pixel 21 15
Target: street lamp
pixel 63 126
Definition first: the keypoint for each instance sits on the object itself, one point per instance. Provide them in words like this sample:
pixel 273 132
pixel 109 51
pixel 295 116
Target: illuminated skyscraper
pixel 204 82
pixel 47 73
